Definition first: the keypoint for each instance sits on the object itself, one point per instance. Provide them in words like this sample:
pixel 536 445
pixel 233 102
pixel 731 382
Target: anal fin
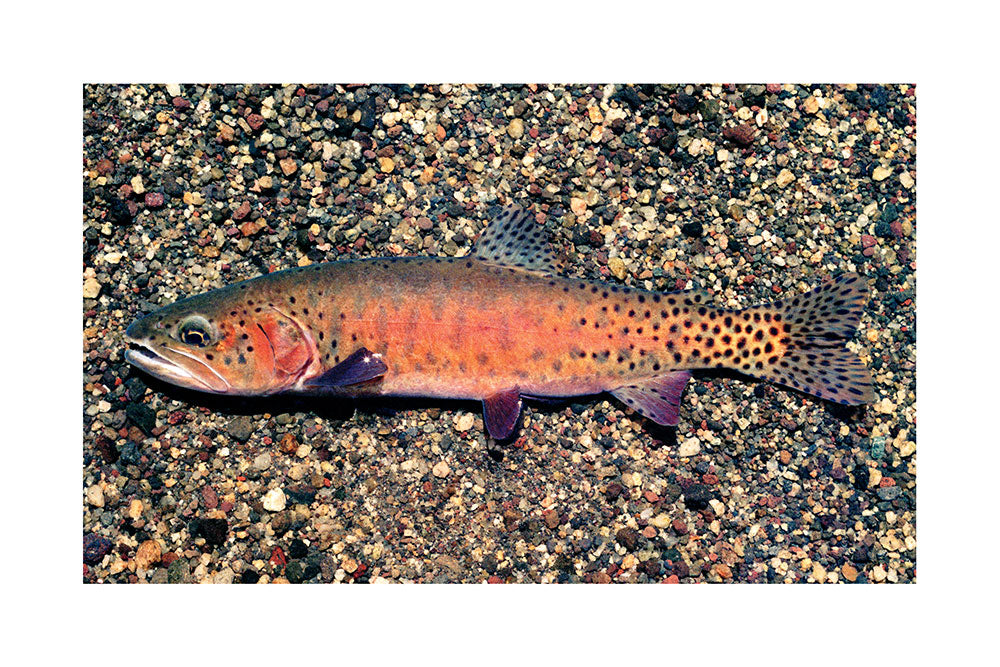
pixel 657 398
pixel 363 365
pixel 501 411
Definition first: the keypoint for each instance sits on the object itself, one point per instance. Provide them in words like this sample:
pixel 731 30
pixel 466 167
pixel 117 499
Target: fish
pixel 498 325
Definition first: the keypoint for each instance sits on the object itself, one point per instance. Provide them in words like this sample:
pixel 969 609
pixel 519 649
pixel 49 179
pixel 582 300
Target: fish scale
pixel 494 326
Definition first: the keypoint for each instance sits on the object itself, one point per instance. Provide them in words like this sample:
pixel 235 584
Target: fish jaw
pixel 193 374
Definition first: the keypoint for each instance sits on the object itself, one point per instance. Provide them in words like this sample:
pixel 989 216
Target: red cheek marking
pixel 291 349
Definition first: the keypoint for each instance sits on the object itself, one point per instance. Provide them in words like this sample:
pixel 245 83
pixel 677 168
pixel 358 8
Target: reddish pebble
pixel 255 121
pixel 242 212
pixel 742 135
pixel 209 497
pixel 672 579
pixel 181 103
pixel 679 526
pixel 867 240
pixel 154 199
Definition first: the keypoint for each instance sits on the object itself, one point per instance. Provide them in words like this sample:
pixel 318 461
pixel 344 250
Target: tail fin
pixel 816 360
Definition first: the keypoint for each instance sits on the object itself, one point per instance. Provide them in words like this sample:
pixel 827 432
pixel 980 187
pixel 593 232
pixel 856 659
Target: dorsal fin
pixel 515 239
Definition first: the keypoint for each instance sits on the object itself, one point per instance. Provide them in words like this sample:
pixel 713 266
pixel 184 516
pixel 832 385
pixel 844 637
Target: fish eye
pixel 195 331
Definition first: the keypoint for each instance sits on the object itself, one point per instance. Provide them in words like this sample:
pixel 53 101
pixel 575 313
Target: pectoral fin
pixel 500 412
pixel 656 398
pixel 363 365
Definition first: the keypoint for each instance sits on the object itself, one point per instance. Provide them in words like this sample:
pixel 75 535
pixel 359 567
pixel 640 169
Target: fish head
pixel 222 342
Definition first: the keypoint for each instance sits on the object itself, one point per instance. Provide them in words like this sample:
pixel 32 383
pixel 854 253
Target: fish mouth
pixel 144 357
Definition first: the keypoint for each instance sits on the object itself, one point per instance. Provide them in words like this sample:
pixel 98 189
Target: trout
pixel 497 325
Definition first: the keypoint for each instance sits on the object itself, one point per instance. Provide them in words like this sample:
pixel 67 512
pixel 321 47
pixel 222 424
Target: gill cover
pixel 286 350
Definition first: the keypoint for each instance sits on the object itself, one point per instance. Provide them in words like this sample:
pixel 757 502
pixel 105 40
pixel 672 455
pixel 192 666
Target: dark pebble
pixel 213 530
pixel 118 212
pixel 628 538
pixel 142 416
pixel 693 229
pixel 240 428
pixel 95 548
pixel 696 497
pixel 685 103
pixel 295 572
pixel 297 549
pixel 889 492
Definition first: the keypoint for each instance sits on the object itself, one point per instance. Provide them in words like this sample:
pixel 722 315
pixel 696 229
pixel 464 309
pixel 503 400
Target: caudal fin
pixel 816 360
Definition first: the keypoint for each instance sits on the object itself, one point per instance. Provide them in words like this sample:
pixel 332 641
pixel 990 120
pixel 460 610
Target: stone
pixel 693 229
pixel 628 538
pixel 142 416
pixel 288 166
pixel 811 105
pixel 262 462
pixel 742 135
pixel 849 571
pixel 95 548
pixel 441 469
pixel 617 267
pixel 689 447
pixel 137 185
pixel 465 422
pixel 515 129
pixel 386 165
pixel 785 177
pixel 147 555
pixel 906 180
pixel 880 173
pixel 242 211
pixel 173 89
pixel 91 288
pixel 240 428
pixel 578 206
pixel 274 500
pixel 135 509
pixel 95 495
